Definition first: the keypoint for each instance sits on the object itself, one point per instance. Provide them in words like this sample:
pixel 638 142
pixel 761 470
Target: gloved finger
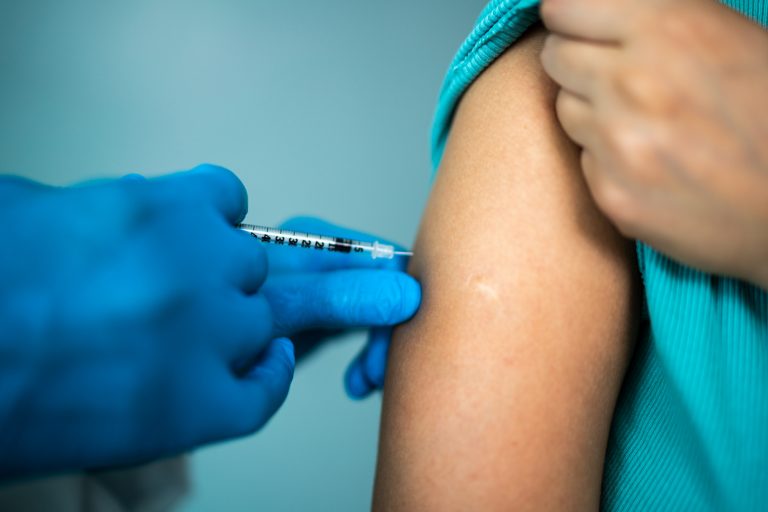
pixel 355 382
pixel 366 371
pixel 244 325
pixel 577 118
pixel 209 184
pixel 375 356
pixel 341 299
pixel 288 259
pixel 577 66
pixel 265 386
pixel 246 263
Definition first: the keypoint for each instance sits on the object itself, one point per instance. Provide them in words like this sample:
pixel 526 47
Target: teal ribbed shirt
pixel 690 431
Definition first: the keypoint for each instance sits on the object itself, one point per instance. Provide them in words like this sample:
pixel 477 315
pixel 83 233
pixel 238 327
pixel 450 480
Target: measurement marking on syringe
pixel 303 240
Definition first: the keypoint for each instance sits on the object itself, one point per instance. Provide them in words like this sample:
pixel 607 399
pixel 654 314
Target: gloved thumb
pixel 266 385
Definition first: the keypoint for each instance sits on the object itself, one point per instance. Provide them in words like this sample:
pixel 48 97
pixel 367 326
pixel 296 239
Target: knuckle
pixel 616 203
pixel 677 25
pixel 600 139
pixel 139 199
pixel 631 85
pixel 550 11
pixel 610 137
pixel 644 90
pixel 632 149
pixel 227 175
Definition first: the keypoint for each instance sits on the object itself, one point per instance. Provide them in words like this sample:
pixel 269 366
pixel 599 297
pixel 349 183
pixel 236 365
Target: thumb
pixel 265 386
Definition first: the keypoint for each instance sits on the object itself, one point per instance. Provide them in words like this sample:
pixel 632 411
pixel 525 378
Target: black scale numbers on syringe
pixel 309 241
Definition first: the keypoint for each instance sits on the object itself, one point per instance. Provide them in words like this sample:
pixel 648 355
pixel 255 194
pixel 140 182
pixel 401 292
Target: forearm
pixel 500 392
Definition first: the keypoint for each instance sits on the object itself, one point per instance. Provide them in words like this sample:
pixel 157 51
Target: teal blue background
pixel 322 108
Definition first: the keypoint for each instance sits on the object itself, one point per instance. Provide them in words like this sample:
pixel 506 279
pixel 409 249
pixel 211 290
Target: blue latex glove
pixel 131 323
pixel 315 295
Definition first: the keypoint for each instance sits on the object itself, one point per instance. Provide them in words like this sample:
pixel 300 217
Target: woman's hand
pixel 669 101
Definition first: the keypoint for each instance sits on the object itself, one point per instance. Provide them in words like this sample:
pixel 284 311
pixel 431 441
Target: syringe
pixel 309 241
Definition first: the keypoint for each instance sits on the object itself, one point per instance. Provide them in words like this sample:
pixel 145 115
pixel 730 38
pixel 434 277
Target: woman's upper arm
pixel 500 392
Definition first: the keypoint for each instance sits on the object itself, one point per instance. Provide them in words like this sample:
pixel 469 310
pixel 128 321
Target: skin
pixel 499 394
pixel 674 149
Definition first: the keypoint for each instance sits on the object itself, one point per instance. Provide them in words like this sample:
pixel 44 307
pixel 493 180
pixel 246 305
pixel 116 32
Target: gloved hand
pixel 131 323
pixel 315 295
